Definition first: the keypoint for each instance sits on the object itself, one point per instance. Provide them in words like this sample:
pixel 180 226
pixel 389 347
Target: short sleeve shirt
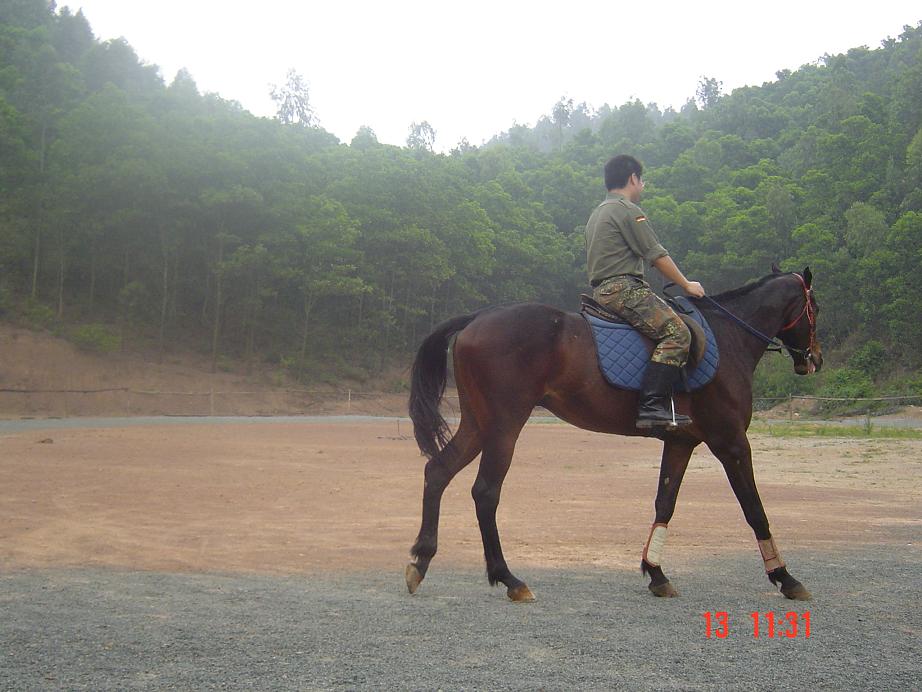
pixel 619 239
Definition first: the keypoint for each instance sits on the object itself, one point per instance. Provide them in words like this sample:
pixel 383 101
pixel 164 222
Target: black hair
pixel 619 170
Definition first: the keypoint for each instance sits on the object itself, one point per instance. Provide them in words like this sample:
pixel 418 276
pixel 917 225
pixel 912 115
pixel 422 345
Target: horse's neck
pixel 752 312
pixel 762 310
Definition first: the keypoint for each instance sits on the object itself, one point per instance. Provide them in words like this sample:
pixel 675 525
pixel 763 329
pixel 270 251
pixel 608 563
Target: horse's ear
pixel 808 276
pixel 775 268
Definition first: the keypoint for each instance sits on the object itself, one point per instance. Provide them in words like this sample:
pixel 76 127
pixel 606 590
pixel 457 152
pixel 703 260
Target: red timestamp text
pixel 771 625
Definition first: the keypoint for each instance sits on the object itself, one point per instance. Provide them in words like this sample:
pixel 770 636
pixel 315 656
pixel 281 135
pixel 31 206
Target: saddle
pixel 624 352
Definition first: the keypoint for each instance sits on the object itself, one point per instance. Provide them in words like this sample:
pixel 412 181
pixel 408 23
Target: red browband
pixel 808 308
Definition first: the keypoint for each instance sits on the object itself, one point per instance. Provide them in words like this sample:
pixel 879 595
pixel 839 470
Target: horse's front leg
pixel 736 458
pixel 676 453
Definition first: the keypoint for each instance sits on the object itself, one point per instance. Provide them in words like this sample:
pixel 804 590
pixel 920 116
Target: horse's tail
pixel 428 377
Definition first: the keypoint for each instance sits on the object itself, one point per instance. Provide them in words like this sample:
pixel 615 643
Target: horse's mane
pixel 748 288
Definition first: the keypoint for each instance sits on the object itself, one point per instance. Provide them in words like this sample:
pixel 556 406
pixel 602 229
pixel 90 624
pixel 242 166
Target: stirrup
pixel 650 423
pixel 677 421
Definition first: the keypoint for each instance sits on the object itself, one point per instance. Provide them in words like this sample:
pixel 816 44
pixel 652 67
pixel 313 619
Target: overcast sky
pixel 473 69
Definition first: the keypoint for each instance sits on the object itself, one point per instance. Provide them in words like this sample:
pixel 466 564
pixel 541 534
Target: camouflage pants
pixel 632 299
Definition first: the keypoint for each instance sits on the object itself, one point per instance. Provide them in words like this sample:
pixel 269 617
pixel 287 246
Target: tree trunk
pixel 92 276
pixel 388 303
pixel 207 298
pixel 61 271
pixel 251 326
pixel 174 289
pixel 164 302
pixel 308 308
pixel 121 308
pixel 405 321
pixel 219 284
pixel 36 255
pixel 43 144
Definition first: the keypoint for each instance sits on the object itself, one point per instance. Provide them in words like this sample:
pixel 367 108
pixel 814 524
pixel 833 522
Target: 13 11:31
pixel 717 624
pixel 776 624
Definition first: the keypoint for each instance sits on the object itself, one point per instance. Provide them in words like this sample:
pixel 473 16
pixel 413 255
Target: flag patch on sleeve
pixel 640 218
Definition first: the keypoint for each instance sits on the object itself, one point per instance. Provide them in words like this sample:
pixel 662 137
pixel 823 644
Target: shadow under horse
pixel 507 360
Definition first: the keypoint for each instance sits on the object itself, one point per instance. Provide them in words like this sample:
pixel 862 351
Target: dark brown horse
pixel 507 360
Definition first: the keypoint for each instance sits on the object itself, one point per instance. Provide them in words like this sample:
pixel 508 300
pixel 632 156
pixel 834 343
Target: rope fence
pixel 912 397
pixel 127 401
pixel 874 407
pixel 213 402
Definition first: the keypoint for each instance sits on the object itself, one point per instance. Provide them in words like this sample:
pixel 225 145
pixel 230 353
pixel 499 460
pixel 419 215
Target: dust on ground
pixel 317 497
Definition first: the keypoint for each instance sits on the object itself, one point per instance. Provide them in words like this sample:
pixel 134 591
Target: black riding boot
pixel 655 410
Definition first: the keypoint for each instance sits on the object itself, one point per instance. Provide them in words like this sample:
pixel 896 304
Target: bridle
pixel 808 310
pixel 773 343
pixel 810 314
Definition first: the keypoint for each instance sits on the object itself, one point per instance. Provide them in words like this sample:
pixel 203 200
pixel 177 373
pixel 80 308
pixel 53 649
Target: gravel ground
pixel 116 630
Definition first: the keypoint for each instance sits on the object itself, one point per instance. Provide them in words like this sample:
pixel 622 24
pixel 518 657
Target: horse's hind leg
pixel 458 453
pixel 494 464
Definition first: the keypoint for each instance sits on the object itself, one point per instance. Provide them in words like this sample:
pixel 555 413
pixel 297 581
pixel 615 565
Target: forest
pixel 138 212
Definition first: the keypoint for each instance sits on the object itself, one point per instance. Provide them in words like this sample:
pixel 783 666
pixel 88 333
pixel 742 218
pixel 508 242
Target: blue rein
pixel 773 344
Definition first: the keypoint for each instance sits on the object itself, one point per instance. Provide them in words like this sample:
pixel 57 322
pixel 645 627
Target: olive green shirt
pixel 618 240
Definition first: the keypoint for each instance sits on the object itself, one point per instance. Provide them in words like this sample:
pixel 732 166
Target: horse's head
pixel 798 333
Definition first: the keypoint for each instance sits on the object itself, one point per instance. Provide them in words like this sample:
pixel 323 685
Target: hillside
pixel 129 200
pixel 39 361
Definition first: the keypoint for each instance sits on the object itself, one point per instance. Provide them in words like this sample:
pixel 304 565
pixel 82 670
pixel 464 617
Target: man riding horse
pixel 619 240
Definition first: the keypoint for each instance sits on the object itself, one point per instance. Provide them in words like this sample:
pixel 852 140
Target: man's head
pixel 624 174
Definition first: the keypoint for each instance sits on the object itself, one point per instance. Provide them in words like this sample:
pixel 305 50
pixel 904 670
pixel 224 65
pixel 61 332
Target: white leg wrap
pixel 653 551
pixel 771 556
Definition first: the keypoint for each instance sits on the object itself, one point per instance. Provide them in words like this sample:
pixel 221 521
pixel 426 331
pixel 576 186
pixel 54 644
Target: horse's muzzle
pixel 810 361
pixel 810 364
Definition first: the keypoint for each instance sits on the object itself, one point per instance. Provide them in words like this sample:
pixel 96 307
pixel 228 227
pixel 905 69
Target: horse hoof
pixel 665 590
pixel 520 594
pixel 797 593
pixel 414 578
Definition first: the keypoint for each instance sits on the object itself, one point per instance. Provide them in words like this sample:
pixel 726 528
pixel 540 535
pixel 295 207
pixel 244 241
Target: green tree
pixel 865 230
pixel 708 92
pixel 233 215
pixel 293 101
pixel 560 116
pixel 321 261
pixel 421 137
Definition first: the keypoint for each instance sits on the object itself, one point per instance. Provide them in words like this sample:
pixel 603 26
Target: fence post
pixel 211 402
pixel 349 402
pixel 790 408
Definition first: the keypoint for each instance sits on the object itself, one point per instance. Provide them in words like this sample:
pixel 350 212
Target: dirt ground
pixel 297 498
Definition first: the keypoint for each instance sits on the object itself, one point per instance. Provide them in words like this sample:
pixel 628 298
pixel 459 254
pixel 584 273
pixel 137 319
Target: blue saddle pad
pixel 624 353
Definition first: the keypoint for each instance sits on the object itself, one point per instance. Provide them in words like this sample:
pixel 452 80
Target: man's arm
pixel 669 269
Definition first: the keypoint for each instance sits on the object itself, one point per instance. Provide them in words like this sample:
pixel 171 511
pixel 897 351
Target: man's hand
pixel 694 289
pixel 668 268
